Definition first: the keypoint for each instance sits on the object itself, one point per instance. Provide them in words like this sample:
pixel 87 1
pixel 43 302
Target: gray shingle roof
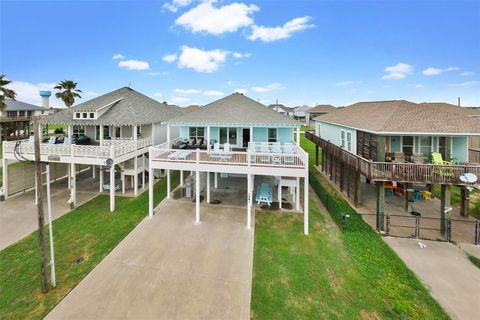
pixel 134 108
pixel 15 105
pixel 400 116
pixel 282 106
pixel 322 108
pixel 235 109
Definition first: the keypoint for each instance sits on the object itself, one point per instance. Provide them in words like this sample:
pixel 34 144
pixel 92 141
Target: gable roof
pixel 471 112
pixel 235 109
pixel 322 108
pixel 281 106
pixel 15 105
pixel 400 116
pixel 125 107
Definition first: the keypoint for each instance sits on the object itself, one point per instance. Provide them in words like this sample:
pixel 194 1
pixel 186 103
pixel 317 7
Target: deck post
pixel 249 201
pixel 197 197
pixel 407 196
pixel 298 135
pixel 73 191
pixel 216 181
pixel 380 205
pixel 168 184
pixel 297 195
pixel 94 173
pixel 123 183
pixel 357 196
pixel 69 179
pixel 464 201
pixel 444 207
pixel 279 193
pixel 316 155
pixel 305 204
pixel 5 176
pixel 100 173
pixel 208 187
pixel 112 188
pixel 143 171
pixel 208 137
pixel 150 185
pixel 181 178
pixel 135 164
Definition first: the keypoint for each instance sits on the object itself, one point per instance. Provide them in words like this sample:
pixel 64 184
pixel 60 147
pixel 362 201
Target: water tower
pixel 45 98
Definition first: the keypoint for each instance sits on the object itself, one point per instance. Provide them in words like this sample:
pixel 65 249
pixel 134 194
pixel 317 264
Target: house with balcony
pixel 235 137
pixel 396 142
pixel 110 133
pixel 16 118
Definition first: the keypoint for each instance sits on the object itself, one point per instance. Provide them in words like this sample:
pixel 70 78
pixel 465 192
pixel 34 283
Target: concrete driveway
pixel 444 269
pixel 170 268
pixel 18 214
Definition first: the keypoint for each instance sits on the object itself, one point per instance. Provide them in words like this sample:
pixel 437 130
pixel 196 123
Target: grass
pixel 89 231
pixel 304 128
pixel 474 260
pixel 455 198
pixel 349 274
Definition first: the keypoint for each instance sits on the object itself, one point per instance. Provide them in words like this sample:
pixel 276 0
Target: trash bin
pixel 188 188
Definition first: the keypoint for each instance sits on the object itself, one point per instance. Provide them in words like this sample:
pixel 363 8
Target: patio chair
pixel 265 150
pixel 442 171
pixel 277 154
pixel 66 140
pixel 418 158
pixel 227 152
pixel 399 157
pixel 438 159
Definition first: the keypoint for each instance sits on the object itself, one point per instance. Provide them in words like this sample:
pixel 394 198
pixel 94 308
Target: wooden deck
pixel 336 160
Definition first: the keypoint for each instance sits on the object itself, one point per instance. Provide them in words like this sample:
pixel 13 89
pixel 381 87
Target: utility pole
pixel 41 217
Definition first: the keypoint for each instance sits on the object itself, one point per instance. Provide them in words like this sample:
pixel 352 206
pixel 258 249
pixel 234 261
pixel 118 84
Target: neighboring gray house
pixel 278 107
pixel 318 110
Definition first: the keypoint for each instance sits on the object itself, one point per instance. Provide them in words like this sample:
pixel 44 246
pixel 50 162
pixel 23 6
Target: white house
pixel 235 135
pixel 110 133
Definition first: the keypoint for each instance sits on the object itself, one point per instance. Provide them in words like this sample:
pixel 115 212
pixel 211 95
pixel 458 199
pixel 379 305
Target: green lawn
pixel 474 260
pixel 455 198
pixel 304 128
pixel 90 231
pixel 331 274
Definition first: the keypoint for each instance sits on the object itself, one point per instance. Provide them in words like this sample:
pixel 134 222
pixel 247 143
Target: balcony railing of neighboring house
pixel 294 159
pixel 110 149
pixel 16 118
pixel 395 171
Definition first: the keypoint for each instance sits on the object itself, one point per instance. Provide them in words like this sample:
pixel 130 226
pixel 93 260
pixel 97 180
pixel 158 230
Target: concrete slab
pixel 18 214
pixel 444 269
pixel 170 268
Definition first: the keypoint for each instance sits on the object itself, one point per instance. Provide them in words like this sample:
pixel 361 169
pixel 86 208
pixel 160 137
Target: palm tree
pixel 69 93
pixel 6 93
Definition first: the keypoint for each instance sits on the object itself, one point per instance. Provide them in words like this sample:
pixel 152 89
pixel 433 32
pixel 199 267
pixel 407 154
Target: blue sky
pixel 299 52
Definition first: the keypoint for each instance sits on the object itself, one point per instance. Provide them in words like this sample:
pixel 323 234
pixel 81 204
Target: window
pixel 426 145
pixel 77 115
pixel 84 115
pixel 272 135
pixel 228 135
pixel 349 141
pixel 79 130
pixel 407 145
pixel 196 132
pixel 92 115
pixel 117 132
pixel 342 138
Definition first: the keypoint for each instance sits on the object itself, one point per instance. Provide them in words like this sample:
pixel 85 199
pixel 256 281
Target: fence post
pixel 417 227
pixel 477 232
pixel 449 230
pixel 388 226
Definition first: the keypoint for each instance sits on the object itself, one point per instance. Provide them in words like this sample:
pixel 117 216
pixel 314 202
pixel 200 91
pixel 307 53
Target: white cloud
pixel 201 60
pixel 239 55
pixel 156 73
pixel 398 71
pixel 472 83
pixel 467 74
pixel 185 91
pixel 241 90
pixel 213 93
pixel 134 65
pixel 344 83
pixel 436 71
pixel 118 56
pixel 180 99
pixel 176 4
pixel 268 34
pixel 217 20
pixel 29 92
pixel 170 57
pixel 268 88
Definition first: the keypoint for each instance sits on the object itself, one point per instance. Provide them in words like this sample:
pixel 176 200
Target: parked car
pixel 80 139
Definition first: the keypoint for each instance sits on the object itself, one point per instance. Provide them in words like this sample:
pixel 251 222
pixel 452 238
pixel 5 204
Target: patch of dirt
pixel 369 315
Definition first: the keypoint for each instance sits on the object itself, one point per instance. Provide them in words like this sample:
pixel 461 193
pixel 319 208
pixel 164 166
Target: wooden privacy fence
pixel 21 176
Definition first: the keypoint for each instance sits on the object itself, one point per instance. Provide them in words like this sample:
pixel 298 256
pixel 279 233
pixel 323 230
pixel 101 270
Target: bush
pixel 59 130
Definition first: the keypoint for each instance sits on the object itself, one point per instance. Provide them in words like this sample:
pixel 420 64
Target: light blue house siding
pixel 460 149
pixel 333 133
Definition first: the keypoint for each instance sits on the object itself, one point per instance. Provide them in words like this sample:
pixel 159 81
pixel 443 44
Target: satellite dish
pixel 469 178
pixel 109 162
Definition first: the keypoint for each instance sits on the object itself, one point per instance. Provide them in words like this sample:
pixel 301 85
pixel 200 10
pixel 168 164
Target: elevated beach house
pixel 109 133
pixel 235 136
pixel 396 142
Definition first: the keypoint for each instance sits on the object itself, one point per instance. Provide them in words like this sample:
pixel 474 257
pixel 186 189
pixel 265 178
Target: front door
pixel 246 137
pixel 444 147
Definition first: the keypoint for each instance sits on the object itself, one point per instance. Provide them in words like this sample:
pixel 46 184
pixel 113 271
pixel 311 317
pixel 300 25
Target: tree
pixel 6 93
pixel 68 92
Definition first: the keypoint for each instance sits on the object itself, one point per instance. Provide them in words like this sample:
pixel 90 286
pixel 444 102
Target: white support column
pixel 100 175
pixel 208 187
pixel 298 135
pixel 135 165
pixel 279 193
pixel 94 173
pixel 297 194
pixel 101 135
pixel 249 201
pixel 143 172
pixel 69 177
pixel 216 181
pixel 305 206
pixel 150 186
pixel 5 176
pixel 251 134
pixel 123 183
pixel 50 228
pixel 168 184
pixel 73 190
pixel 168 136
pixel 181 178
pixel 197 197
pixel 208 138
pixel 112 188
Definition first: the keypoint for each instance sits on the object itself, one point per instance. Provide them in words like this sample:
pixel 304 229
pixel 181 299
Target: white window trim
pixel 343 139
pixel 276 134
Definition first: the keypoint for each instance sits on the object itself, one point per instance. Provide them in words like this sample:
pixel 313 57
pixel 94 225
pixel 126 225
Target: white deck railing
pixel 296 158
pixel 109 149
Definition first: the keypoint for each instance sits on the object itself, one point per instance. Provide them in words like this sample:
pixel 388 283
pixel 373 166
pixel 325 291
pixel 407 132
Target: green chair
pixel 442 171
pixel 437 159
